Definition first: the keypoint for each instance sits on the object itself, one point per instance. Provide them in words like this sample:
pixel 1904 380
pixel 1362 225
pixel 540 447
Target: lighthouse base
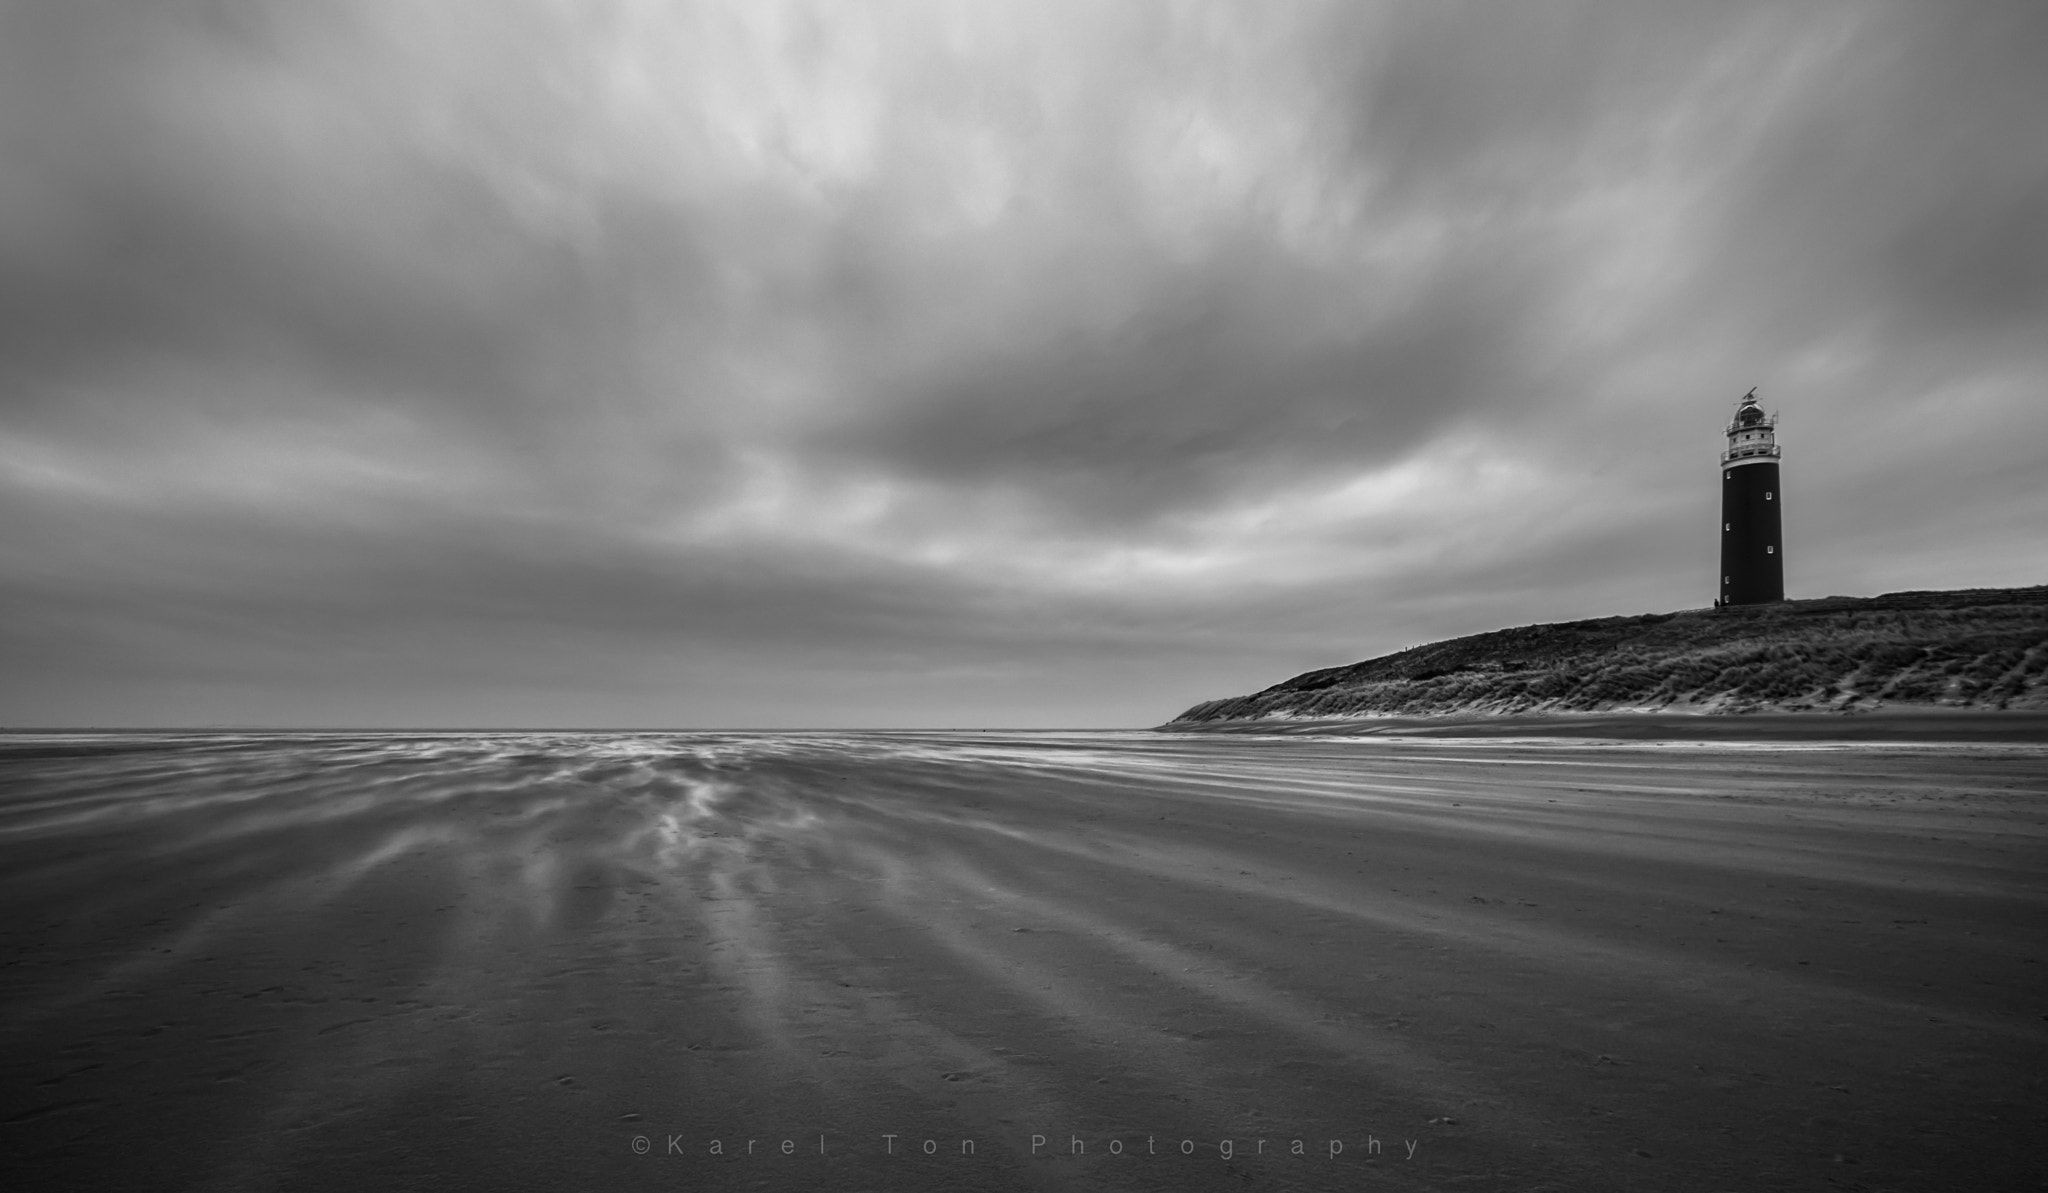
pixel 1752 540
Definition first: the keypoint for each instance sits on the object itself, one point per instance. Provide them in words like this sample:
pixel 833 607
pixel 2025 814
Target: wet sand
pixel 499 961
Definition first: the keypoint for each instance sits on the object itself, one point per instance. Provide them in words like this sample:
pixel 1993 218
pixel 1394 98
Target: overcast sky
pixel 635 363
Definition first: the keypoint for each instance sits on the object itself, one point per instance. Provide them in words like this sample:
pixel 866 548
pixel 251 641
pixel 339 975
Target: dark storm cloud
pixel 723 359
pixel 1214 384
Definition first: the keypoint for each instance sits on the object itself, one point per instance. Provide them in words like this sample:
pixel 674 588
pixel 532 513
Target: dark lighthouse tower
pixel 1752 543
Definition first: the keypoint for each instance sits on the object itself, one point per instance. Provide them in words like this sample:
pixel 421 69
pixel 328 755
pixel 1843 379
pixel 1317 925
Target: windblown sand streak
pixel 334 960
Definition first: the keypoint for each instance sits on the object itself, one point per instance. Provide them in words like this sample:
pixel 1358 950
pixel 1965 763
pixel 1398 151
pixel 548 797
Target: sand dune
pixel 499 961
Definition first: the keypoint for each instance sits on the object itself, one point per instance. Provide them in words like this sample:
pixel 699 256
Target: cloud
pixel 658 351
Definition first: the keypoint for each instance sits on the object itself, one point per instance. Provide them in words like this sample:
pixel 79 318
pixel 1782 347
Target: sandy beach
pixel 1100 961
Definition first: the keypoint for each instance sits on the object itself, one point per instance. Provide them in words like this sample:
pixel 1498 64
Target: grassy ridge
pixel 1980 648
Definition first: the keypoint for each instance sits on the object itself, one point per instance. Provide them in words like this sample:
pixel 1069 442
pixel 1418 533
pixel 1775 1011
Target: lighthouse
pixel 1752 542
